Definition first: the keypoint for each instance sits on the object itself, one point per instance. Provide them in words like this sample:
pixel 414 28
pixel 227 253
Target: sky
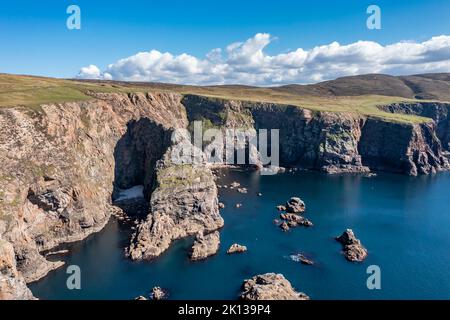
pixel 223 42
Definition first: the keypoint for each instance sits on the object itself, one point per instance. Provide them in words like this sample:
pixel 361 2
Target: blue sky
pixel 35 39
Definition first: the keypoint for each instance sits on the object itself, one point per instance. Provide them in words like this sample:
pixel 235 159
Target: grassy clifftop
pixel 33 91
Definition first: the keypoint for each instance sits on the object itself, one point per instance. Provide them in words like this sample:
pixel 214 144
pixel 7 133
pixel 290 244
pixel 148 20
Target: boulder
pixel 295 205
pixel 237 248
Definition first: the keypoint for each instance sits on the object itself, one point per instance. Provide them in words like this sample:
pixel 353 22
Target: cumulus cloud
pixel 247 63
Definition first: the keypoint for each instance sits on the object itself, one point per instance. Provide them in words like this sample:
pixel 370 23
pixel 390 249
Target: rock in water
pixel 294 220
pixel 270 286
pixel 183 204
pixel 281 208
pixel 236 248
pixel 205 246
pixel 284 226
pixel 295 205
pixel 302 259
pixel 235 184
pixel 158 293
pixel 141 298
pixel 242 190
pixel 353 249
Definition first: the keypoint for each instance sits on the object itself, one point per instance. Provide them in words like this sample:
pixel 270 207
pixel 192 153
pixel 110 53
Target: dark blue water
pixel 403 221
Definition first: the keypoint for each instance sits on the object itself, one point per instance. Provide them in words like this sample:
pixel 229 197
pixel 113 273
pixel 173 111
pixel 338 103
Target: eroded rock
pixel 205 246
pixel 295 205
pixel 353 249
pixel 236 248
pixel 270 286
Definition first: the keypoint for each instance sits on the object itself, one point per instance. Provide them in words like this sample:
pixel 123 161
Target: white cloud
pixel 247 63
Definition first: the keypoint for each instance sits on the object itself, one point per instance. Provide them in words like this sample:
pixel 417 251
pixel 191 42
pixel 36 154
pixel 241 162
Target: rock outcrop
pixel 205 245
pixel 295 205
pixel 270 286
pixel 12 283
pixel 236 248
pixel 353 249
pixel 295 220
pixel 184 203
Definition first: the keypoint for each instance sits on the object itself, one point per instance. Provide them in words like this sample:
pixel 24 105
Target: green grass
pixel 32 91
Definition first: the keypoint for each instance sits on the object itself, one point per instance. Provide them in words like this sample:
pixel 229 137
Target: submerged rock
pixel 242 190
pixel 234 185
pixel 302 259
pixel 270 286
pixel 238 205
pixel 205 246
pixel 295 205
pixel 237 248
pixel 353 249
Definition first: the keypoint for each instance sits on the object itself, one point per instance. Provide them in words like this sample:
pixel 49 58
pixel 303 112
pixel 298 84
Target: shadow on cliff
pixel 135 156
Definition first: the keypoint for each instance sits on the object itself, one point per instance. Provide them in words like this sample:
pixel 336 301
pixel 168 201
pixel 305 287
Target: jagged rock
pixel 205 246
pixel 281 208
pixel 353 249
pixel 236 248
pixel 12 283
pixel 295 220
pixel 242 190
pixel 221 205
pixel 184 203
pixel 284 226
pixel 302 259
pixel 141 298
pixel 270 286
pixel 158 294
pixel 295 205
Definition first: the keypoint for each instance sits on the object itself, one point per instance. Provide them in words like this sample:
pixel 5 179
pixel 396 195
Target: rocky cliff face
pixel 64 164
pixel 61 164
pixel 437 111
pixel 341 142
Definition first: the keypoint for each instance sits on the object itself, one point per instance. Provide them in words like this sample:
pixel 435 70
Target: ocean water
pixel 404 222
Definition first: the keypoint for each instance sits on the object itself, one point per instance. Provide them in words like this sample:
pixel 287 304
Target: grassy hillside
pixel 33 91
